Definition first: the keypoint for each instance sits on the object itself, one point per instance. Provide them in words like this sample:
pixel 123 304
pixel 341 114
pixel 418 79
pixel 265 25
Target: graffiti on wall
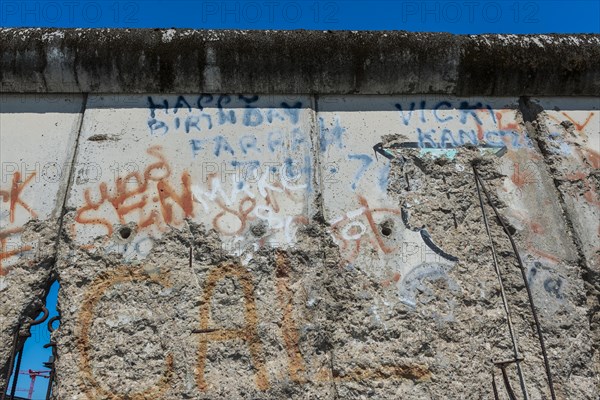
pixel 149 196
pixel 91 385
pixel 371 227
pixel 155 200
pixel 461 123
pixel 358 229
pixel 9 231
pixel 251 116
pixel 578 125
pixel 246 335
pixel 248 174
pixel 583 154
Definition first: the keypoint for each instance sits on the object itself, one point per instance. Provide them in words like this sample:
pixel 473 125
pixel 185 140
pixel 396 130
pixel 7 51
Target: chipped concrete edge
pixel 296 62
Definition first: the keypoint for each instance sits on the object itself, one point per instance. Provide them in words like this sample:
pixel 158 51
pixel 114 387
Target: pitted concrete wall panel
pixel 572 140
pixel 35 130
pixel 239 165
pixel 568 132
pixel 174 196
pixel 378 149
pixel 38 136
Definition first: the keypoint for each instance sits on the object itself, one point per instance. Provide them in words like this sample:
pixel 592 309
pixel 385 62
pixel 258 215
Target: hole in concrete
pixel 125 232
pixel 259 229
pixel 387 227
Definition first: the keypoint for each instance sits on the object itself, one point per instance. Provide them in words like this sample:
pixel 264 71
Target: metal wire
pixel 494 387
pixel 16 376
pixel 509 389
pixel 511 330
pixel 526 283
pixel 12 360
pixel 19 354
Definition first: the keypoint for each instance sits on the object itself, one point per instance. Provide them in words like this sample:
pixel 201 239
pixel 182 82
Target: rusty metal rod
pixel 506 362
pixel 12 360
pixel 511 330
pixel 41 319
pixel 509 389
pixel 16 376
pixel 494 387
pixel 38 321
pixel 50 381
pixel 52 345
pixel 16 343
pixel 526 283
pixel 51 321
pixel 210 330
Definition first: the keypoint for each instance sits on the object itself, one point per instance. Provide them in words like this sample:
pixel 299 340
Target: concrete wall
pixel 290 245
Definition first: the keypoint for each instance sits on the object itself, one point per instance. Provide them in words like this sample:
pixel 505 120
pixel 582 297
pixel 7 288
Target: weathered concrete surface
pixel 441 196
pixel 297 62
pixel 38 137
pixel 311 247
pixel 567 133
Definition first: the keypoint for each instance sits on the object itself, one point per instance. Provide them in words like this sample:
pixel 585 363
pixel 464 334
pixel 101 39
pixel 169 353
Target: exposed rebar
pixel 50 365
pixel 16 376
pixel 502 291
pixel 494 387
pixel 526 283
pixel 12 360
pixel 509 389
pixel 50 382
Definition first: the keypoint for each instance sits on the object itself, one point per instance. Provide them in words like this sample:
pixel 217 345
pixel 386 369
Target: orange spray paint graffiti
pixel 352 232
pixel 578 126
pixel 291 337
pixel 91 386
pixel 248 334
pixel 232 216
pixel 590 195
pixel 5 253
pixel 13 197
pixel 125 199
pixel 499 115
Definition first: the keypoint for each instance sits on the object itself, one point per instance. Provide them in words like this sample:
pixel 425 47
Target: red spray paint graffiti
pixel 13 197
pixel 149 188
pixel 354 233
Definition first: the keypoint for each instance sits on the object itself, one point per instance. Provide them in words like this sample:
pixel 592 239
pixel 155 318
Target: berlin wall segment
pixel 272 246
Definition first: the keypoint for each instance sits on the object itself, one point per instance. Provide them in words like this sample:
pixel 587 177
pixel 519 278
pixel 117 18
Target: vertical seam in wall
pixel 70 178
pixel 318 175
pixel 529 115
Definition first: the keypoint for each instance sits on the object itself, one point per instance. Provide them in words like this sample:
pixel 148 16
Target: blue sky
pixel 469 16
